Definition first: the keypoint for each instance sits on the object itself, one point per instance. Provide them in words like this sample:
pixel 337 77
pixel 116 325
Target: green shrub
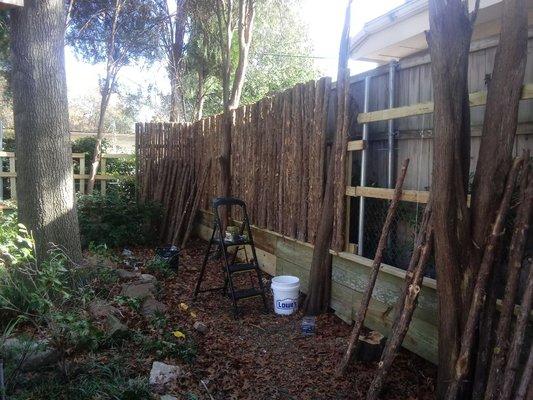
pixel 116 220
pixel 86 145
pixel 159 266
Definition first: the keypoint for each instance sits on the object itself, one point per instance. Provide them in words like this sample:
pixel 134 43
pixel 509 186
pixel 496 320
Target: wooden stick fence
pixel 278 158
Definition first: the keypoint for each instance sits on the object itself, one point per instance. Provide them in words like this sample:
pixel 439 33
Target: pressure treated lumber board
pixel 475 99
pixel 383 193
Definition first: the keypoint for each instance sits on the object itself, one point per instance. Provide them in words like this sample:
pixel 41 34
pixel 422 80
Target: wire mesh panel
pixel 402 235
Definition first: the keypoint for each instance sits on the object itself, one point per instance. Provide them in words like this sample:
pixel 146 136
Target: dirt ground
pixel 264 356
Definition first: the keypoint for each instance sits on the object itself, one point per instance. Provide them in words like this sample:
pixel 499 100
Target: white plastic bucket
pixel 285 289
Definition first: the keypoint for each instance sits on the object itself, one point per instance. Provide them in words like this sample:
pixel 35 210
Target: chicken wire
pixel 405 226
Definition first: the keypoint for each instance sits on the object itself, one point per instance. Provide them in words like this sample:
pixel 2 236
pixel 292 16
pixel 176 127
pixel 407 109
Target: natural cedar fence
pixel 279 152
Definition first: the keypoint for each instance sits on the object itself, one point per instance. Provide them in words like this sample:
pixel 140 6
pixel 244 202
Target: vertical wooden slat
pixel 82 173
pixel 13 181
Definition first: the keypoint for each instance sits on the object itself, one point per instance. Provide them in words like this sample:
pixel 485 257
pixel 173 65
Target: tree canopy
pixel 134 24
pixel 279 54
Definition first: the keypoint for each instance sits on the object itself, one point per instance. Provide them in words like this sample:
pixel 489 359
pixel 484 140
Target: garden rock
pixel 30 355
pixel 138 290
pixel 168 397
pixel 99 309
pixel 147 278
pixel 151 306
pixel 127 275
pixel 200 327
pixel 115 328
pixel 163 374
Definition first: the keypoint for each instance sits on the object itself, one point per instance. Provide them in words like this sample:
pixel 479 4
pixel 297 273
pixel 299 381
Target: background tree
pixel 117 33
pixel 173 43
pixel 44 163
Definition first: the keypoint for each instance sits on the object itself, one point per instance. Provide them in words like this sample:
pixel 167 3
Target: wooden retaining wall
pixel 278 254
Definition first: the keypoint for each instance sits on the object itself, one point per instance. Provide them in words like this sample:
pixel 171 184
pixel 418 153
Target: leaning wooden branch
pixel 361 312
pixel 407 303
pixel 513 357
pixel 467 339
pixel 516 251
pixel 523 387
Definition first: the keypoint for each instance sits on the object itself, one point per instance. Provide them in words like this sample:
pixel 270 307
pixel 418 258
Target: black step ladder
pixel 231 266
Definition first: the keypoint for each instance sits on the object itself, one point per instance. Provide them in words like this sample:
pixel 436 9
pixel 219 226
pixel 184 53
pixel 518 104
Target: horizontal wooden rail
pixel 10 154
pixel 387 194
pixel 475 99
pixel 356 145
pixel 11 174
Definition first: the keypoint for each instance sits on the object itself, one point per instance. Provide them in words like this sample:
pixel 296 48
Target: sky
pixel 325 19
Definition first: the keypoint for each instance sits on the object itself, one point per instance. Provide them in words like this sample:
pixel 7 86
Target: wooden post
pixel 347 210
pixel 103 182
pixel 13 180
pixel 82 173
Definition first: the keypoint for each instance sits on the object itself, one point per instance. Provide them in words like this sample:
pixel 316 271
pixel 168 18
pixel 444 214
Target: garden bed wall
pixel 278 254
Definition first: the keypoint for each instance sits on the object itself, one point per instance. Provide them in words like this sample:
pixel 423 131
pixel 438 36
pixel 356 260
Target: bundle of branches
pixel 503 348
pixel 178 189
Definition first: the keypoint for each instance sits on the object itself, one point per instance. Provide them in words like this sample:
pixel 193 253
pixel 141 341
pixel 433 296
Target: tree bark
pixel 246 24
pixel 463 362
pixel 175 64
pixel 516 251
pixel 318 296
pixel 376 264
pixel 449 44
pixel 499 129
pixel 44 157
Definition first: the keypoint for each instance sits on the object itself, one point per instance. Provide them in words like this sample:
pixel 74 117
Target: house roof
pixel 400 32
pixel 4 4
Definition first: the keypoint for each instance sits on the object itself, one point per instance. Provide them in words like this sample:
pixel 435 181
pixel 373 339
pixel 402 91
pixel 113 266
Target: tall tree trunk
pixel 317 301
pixel 44 157
pixel 177 112
pixel 100 136
pixel 200 96
pixel 449 69
pixel 499 129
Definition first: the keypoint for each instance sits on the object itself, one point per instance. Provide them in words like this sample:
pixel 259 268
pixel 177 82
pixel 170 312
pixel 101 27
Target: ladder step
pixel 236 242
pixel 245 293
pixel 241 267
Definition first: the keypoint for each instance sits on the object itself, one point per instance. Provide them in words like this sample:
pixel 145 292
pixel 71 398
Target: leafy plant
pixel 70 329
pixel 133 302
pixel 116 220
pixel 159 266
pixel 167 346
pixel 16 243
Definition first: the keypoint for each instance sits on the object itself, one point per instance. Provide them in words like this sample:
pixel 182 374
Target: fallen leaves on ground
pixel 264 356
